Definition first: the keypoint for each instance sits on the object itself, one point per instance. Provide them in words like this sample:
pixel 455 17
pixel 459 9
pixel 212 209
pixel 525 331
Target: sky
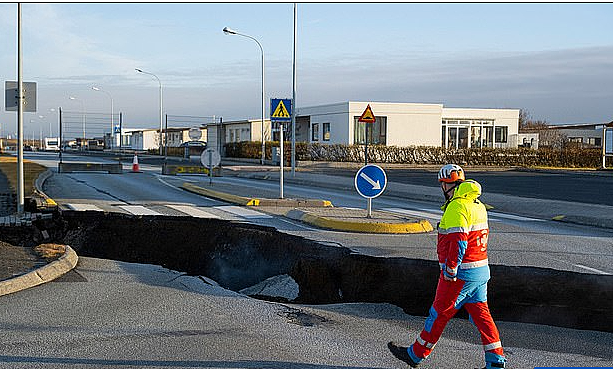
pixel 553 60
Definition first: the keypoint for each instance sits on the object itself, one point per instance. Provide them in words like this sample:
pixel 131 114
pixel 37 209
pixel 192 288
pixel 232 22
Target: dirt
pixel 16 260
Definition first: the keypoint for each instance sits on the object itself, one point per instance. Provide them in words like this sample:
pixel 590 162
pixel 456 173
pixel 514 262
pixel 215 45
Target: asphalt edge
pixel 42 275
pixel 422 226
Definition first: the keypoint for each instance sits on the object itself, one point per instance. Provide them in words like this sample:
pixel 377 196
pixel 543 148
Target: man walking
pixel 462 255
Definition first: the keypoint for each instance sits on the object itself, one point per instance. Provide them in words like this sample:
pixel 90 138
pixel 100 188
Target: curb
pixel 247 201
pixel 422 226
pixel 42 275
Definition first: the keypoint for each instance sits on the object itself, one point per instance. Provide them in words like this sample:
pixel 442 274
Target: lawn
pixel 31 171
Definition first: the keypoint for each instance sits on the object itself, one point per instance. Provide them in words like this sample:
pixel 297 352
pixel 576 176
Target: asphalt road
pixel 584 187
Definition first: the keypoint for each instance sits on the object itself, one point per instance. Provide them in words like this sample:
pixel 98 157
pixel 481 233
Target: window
pixel 575 139
pixel 595 141
pixel 501 134
pixel 315 132
pixel 326 131
pixel 377 131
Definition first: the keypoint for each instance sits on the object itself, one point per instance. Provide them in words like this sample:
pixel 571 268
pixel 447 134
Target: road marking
pixel 194 211
pixel 515 217
pixel 139 210
pixel 423 214
pixel 243 212
pixel 591 269
pixel 83 207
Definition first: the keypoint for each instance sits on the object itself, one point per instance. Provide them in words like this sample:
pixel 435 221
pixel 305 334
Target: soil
pixel 14 260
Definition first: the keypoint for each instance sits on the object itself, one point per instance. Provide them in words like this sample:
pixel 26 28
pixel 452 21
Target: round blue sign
pixel 370 181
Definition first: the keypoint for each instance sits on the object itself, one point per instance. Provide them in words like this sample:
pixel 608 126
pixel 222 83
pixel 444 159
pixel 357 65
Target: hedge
pixel 572 157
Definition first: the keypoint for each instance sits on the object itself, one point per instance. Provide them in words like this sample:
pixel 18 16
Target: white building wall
pixel 501 117
pixel 338 117
pixel 408 124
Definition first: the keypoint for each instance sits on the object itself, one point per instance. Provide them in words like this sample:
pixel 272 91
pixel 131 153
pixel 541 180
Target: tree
pixel 548 137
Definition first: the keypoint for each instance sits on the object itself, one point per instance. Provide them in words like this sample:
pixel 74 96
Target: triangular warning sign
pixel 281 111
pixel 368 116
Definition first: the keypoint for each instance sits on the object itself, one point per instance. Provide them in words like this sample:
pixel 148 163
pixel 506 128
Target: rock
pixel 282 286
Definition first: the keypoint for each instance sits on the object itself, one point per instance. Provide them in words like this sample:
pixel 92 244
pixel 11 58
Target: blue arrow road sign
pixel 370 181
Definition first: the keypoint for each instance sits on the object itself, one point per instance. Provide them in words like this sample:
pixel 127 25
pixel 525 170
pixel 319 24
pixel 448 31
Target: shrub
pixel 570 157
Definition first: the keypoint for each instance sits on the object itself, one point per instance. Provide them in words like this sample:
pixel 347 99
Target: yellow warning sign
pixel 281 111
pixel 368 116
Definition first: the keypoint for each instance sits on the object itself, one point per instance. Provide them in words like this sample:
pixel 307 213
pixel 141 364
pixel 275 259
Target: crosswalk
pixel 232 212
pixel 228 212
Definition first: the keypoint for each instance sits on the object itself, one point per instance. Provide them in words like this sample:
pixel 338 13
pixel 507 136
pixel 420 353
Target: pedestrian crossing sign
pixel 281 110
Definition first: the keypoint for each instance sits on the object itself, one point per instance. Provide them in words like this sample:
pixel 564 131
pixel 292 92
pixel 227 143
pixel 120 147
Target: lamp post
pixel 112 110
pixel 161 111
pixel 229 31
pixel 82 118
pixel 50 131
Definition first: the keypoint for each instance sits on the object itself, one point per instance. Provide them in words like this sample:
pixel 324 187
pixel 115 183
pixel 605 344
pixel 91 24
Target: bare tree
pixel 548 137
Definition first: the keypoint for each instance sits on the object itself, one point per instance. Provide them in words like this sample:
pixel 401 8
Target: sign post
pixel 210 158
pixel 367 117
pixel 370 182
pixel 281 112
pixel 607 143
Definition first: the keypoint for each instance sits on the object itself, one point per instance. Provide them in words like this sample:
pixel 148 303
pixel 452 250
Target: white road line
pixel 416 213
pixel 83 207
pixel 194 211
pixel 243 212
pixel 591 269
pixel 139 210
pixel 515 217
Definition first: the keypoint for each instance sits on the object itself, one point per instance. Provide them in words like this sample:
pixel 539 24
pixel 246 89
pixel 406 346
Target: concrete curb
pixel 422 226
pixel 247 201
pixel 42 275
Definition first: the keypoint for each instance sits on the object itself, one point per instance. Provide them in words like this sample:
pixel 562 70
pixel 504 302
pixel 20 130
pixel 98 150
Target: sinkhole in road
pixel 240 255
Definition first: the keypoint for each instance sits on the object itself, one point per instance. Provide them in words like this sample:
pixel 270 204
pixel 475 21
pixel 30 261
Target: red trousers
pixel 450 297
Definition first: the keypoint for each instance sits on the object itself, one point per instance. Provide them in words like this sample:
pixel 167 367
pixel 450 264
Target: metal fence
pixel 87 130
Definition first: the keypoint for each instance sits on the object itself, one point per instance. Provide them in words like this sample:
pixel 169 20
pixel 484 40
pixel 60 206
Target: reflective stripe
pixel 474 264
pixel 453 230
pixel 478 227
pixel 473 228
pixel 427 345
pixel 492 346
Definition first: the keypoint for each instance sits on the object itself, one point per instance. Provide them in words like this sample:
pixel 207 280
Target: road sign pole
pixel 20 184
pixel 369 208
pixel 366 146
pixel 281 161
pixel 210 167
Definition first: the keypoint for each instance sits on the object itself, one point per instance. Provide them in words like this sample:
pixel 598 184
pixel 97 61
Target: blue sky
pixel 555 60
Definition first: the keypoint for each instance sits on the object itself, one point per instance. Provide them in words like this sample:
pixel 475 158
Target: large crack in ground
pixel 239 255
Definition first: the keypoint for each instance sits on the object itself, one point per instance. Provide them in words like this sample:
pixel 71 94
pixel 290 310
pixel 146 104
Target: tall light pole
pixel 82 119
pixel 161 109
pixel 112 121
pixel 229 31
pixel 50 131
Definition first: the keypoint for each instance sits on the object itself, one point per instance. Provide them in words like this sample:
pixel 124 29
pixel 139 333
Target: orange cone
pixel 135 167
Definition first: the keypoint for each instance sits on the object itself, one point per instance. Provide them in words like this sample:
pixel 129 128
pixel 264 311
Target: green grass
pixel 31 171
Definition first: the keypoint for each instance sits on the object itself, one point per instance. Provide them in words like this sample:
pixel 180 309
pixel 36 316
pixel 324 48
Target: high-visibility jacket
pixel 463 234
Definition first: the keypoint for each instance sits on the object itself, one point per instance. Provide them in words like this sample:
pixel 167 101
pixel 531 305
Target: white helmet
pixel 451 173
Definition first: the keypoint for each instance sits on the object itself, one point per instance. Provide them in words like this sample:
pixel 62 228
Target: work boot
pixel 494 365
pixel 401 353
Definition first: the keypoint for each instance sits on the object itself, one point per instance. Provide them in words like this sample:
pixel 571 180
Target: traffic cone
pixel 135 167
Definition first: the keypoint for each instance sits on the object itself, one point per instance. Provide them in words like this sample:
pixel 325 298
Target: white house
pixel 145 139
pixel 408 124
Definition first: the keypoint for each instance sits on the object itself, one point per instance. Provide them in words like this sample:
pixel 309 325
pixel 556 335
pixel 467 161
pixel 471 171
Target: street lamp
pixel 229 31
pixel 161 113
pixel 82 118
pixel 112 110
